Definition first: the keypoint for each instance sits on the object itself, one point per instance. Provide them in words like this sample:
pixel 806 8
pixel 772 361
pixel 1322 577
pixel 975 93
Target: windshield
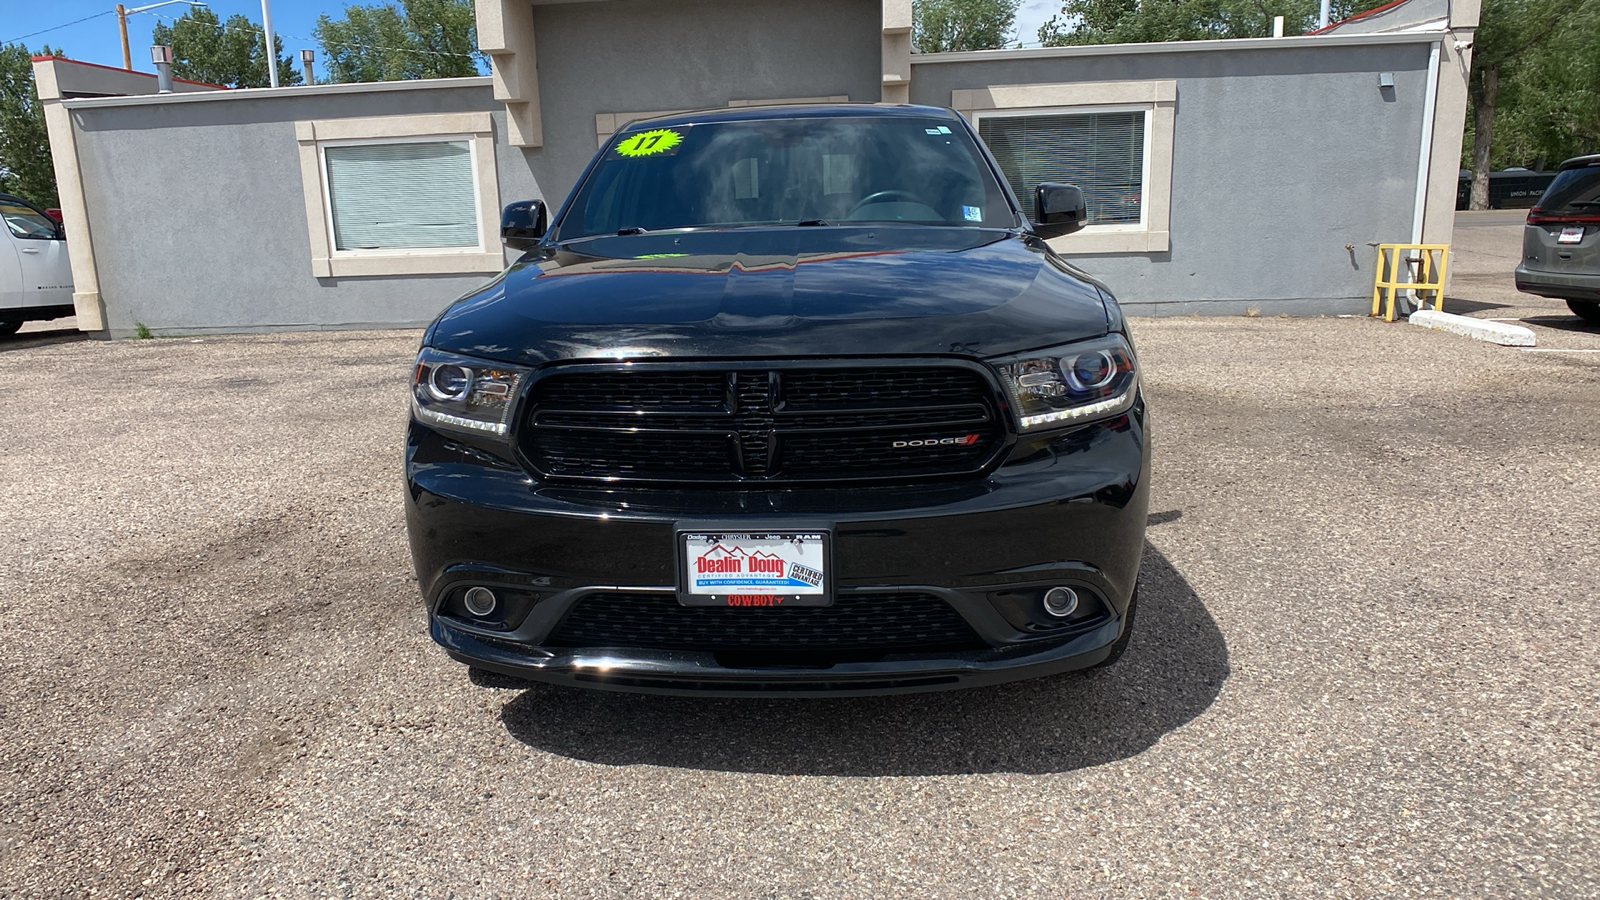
pixel 815 171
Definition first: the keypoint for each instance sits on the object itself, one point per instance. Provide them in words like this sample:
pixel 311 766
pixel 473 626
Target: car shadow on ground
pixel 29 339
pixel 1172 672
pixel 1462 307
pixel 1560 323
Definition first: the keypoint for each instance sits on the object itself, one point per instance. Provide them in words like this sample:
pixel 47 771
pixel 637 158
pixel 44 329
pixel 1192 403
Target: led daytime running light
pixel 1114 405
pixel 439 418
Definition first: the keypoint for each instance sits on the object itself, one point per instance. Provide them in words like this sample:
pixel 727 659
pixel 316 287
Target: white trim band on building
pixel 224 95
pixel 1225 44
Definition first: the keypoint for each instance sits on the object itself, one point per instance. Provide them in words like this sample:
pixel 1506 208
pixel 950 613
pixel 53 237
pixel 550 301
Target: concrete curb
pixel 1478 329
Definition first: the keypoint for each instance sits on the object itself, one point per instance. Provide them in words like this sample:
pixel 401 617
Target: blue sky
pixel 1030 15
pixel 96 40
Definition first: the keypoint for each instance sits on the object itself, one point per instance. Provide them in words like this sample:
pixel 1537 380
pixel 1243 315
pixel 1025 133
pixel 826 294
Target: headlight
pixel 1062 385
pixel 459 393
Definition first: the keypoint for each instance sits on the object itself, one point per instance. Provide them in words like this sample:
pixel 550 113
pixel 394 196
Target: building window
pixel 401 195
pixel 1111 138
pixel 1102 152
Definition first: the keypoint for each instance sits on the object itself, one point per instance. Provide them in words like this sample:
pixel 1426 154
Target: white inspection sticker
pixel 765 564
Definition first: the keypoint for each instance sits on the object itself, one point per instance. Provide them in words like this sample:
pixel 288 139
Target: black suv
pixel 1561 243
pixel 785 400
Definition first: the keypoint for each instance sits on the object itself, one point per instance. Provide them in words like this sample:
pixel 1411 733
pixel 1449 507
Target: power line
pixel 58 27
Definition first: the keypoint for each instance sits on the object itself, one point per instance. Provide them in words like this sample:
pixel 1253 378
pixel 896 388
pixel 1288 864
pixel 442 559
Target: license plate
pixel 767 568
pixel 1571 234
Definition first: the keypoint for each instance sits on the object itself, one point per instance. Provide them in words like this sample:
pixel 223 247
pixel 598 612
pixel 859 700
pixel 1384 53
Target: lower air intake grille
pixel 886 622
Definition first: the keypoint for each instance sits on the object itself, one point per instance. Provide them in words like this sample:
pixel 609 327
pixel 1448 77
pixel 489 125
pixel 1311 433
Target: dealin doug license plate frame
pixel 755 567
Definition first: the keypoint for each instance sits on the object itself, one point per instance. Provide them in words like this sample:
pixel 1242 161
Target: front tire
pixel 1585 310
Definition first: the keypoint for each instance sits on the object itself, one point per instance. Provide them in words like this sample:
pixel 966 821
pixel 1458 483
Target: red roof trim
pixel 1373 11
pixel 79 62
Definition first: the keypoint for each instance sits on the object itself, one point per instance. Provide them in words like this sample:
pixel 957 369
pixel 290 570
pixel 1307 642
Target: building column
pixel 1449 123
pixel 896 51
pixel 505 32
pixel 86 302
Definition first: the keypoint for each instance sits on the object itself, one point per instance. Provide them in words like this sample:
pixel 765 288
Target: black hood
pixel 762 293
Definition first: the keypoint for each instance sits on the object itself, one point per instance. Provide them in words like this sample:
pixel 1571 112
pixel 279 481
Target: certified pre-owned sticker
pixel 657 142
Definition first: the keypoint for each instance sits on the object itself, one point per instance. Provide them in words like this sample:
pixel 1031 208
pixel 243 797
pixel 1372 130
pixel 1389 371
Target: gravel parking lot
pixel 1367 659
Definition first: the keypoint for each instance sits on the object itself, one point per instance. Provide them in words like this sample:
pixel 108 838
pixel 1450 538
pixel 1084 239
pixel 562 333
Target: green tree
pixel 25 165
pixel 1533 47
pixel 939 26
pixel 386 42
pixel 231 53
pixel 1549 108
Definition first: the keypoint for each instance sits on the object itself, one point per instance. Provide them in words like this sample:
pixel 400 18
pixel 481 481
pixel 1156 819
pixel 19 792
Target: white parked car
pixel 35 277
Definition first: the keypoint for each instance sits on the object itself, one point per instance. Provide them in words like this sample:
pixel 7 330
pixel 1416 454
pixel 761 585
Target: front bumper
pixel 661 672
pixel 1068 511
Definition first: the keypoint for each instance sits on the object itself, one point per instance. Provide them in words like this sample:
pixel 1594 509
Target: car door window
pixel 27 223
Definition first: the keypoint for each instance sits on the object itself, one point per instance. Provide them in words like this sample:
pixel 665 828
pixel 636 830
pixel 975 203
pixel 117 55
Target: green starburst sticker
pixel 650 143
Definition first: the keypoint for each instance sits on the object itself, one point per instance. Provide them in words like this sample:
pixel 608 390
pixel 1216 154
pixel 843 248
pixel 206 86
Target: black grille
pixel 636 391
pixel 872 388
pixel 735 423
pixel 634 454
pixel 865 622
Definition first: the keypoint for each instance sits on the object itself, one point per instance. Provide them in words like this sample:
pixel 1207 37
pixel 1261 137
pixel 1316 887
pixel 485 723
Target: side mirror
pixel 1061 208
pixel 522 224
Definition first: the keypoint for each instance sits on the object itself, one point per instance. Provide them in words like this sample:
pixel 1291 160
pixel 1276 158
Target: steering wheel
pixel 886 197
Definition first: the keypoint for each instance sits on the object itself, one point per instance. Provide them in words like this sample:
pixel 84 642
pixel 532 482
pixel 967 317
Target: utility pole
pixel 122 23
pixel 272 52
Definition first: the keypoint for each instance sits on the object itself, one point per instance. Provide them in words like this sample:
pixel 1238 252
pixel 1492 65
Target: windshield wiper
pixel 634 230
pixel 1584 203
pixel 805 223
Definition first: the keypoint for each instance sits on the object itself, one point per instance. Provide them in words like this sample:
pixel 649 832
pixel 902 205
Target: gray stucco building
pixel 1225 175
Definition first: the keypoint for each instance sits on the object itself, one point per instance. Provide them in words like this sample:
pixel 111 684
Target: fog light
pixel 1061 602
pixel 480 601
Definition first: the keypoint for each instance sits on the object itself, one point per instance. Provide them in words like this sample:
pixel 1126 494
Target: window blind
pixel 1103 153
pixel 410 196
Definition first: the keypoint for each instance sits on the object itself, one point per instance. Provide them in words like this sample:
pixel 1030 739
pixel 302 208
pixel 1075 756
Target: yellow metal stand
pixel 1396 260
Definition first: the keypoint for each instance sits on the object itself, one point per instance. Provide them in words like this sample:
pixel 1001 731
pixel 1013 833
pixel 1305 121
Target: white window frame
pixel 327 196
pixel 476 129
pixel 1158 100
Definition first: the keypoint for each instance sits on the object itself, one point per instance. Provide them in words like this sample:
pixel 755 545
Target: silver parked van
pixel 1561 244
